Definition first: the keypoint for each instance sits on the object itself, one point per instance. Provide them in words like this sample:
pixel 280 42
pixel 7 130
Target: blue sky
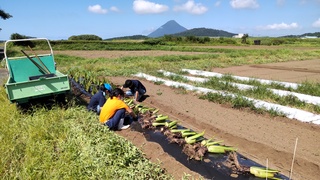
pixel 60 19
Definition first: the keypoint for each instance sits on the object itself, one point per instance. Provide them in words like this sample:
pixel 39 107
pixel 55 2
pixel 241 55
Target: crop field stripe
pixel 263 81
pixel 291 113
pixel 303 97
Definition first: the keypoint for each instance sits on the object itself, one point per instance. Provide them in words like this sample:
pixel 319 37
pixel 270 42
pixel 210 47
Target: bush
pixel 18 36
pixel 86 37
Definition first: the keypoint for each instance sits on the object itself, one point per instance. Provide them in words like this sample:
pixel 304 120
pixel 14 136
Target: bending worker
pixel 98 99
pixel 114 111
pixel 137 89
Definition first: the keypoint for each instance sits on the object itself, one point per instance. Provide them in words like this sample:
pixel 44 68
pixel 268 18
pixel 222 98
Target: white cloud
pixel 244 4
pixel 147 7
pixel 149 30
pixel 97 9
pixel 191 7
pixel 280 26
pixel 216 4
pixel 114 9
pixel 316 23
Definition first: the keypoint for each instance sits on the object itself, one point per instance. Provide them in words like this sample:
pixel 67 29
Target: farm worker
pixel 98 99
pixel 113 113
pixel 137 89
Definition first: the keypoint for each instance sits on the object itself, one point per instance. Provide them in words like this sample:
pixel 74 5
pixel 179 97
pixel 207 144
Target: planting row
pixel 272 108
pixel 88 80
pixel 193 143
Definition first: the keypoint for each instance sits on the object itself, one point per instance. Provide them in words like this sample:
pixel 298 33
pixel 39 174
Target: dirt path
pixel 295 71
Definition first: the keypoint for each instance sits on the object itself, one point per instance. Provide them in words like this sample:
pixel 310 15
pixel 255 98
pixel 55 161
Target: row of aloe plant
pixel 194 144
pixel 89 80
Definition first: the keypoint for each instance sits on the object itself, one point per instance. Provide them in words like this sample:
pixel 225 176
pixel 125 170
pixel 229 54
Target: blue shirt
pixel 97 99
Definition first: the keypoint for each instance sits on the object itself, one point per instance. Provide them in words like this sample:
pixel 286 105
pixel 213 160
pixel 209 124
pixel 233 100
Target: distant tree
pixel 311 34
pixel 206 39
pixel 87 37
pixel 18 36
pixel 168 37
pixel 153 41
pixel 192 39
pixel 179 38
pixel 134 37
pixel 244 38
pixel 21 43
pixel 277 41
pixel 4 15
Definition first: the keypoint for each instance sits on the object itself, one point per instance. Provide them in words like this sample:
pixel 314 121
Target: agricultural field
pixel 259 135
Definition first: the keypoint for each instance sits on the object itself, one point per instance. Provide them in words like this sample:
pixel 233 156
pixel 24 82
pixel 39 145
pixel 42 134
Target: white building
pixel 238 36
pixel 309 37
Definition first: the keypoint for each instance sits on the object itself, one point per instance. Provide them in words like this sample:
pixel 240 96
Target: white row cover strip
pixel 302 97
pixel 290 113
pixel 263 81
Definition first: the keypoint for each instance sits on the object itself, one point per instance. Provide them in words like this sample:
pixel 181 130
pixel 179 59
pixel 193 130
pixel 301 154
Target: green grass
pixel 171 43
pixel 125 66
pixel 66 144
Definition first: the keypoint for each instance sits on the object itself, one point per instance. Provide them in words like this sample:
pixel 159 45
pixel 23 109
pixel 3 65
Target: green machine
pixel 32 71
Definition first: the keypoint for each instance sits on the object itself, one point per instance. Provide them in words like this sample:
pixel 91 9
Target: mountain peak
pixel 171 22
pixel 170 27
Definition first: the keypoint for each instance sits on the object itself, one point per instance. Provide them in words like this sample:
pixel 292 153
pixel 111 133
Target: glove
pixel 136 118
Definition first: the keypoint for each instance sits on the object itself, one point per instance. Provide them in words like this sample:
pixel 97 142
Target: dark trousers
pixel 113 122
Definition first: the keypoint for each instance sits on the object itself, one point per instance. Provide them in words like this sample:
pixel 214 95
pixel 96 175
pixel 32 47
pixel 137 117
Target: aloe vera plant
pixel 209 142
pixel 192 139
pixel 171 124
pixel 188 133
pixel 220 148
pixel 161 118
pixel 155 111
pixel 174 127
pixel 263 172
pixel 158 124
pixel 179 130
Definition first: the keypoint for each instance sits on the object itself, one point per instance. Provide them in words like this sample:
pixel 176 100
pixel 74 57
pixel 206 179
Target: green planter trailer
pixel 32 71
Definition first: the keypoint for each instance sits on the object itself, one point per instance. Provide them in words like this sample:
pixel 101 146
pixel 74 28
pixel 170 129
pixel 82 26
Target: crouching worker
pixel 98 99
pixel 113 112
pixel 137 89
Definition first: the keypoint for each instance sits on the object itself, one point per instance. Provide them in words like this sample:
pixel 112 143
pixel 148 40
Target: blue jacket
pixel 97 99
pixel 137 86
